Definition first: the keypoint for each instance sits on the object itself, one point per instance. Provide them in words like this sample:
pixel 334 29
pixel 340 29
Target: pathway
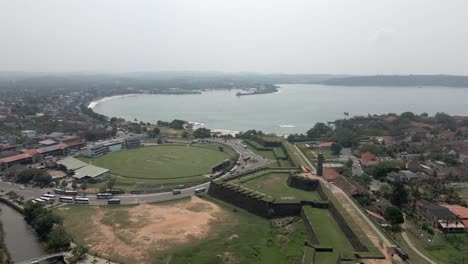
pixel 411 245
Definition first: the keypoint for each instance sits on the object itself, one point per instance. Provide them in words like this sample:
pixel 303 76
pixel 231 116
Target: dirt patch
pixel 147 229
pixel 56 174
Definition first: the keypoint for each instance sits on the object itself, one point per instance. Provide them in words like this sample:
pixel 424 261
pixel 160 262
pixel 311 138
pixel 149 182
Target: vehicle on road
pixel 47 200
pixel 176 191
pixel 48 195
pixel 82 200
pixel 66 199
pixel 104 195
pixel 113 201
pixel 70 192
pixel 59 191
pixel 200 190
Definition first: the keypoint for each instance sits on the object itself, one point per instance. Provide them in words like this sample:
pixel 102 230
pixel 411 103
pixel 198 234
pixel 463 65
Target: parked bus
pixel 70 192
pixel 200 190
pixel 51 196
pixel 40 201
pixel 81 200
pixel 104 195
pixel 113 201
pixel 59 191
pixel 66 199
pixel 47 200
pixel 176 191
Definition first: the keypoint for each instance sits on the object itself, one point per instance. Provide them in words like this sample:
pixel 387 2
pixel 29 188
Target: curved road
pixel 29 192
pixel 411 245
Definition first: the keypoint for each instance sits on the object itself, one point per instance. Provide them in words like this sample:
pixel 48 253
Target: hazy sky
pixel 311 36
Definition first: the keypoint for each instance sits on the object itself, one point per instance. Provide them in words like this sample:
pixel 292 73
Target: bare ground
pixel 152 228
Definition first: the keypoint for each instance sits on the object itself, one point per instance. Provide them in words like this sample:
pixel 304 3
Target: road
pixel 29 192
pixel 411 245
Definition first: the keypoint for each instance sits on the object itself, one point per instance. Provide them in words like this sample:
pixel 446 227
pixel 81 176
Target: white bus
pixel 40 201
pixel 66 199
pixel 113 201
pixel 47 200
pixel 52 196
pixel 70 192
pixel 200 190
pixel 104 195
pixel 59 191
pixel 82 200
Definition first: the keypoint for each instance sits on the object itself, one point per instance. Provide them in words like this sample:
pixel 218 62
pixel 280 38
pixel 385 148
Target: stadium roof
pixel 89 171
pixel 71 163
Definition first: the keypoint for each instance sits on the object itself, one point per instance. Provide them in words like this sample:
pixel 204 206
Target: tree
pixel 318 130
pixel 202 133
pixel 74 185
pixel 156 131
pixel 185 134
pixel 399 194
pixel 346 137
pixel 78 253
pixel 394 216
pixel 111 182
pixel 220 148
pixel 63 184
pixel 84 186
pixel 59 240
pixel 336 148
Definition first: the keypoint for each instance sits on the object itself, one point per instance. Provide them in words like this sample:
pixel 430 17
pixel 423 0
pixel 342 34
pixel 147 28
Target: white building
pixel 29 133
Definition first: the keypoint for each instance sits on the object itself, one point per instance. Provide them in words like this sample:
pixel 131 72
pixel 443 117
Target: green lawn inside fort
pixel 163 166
pixel 275 184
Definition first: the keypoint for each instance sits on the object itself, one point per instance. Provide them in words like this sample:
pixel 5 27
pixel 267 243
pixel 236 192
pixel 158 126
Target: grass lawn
pixel 264 153
pixel 162 162
pixel 328 233
pixel 463 193
pixel 241 238
pixel 275 184
pixel 443 248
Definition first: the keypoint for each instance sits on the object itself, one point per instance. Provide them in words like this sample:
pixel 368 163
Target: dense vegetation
pixel 48 226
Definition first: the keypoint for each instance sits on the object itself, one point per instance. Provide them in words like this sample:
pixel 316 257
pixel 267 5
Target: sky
pixel 266 36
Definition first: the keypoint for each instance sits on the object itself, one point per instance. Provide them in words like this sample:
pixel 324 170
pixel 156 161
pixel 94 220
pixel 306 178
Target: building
pixel 103 147
pixel 460 211
pixel 439 216
pixel 29 133
pixel 367 159
pixel 70 164
pixel 406 176
pixel 326 144
pixel 133 142
pixel 90 173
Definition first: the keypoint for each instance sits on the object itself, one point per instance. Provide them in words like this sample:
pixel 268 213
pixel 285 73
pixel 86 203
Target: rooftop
pixel 71 163
pixel 89 171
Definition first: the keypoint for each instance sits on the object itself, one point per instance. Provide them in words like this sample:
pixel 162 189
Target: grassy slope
pixel 445 248
pixel 257 242
pixel 373 250
pixel 276 185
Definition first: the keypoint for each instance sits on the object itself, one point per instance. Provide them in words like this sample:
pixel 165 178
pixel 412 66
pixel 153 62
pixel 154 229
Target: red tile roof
pixel 15 158
pixel 461 211
pixel 447 134
pixel 326 144
pixel 367 157
pixel 330 174
pixel 30 152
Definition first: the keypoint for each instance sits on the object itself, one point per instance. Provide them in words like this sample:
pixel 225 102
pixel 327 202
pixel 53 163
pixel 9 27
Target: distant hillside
pixel 401 80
